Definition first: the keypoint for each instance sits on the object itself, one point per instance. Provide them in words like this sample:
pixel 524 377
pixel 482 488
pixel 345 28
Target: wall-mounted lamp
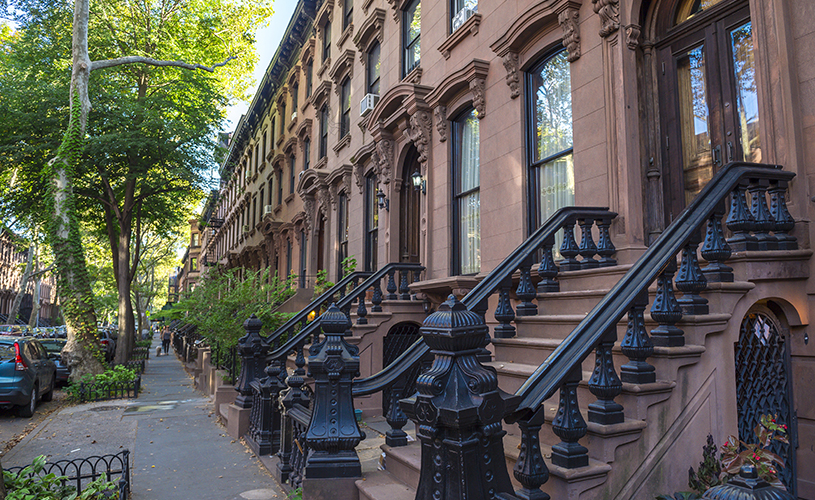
pixel 419 184
pixel 427 306
pixel 382 200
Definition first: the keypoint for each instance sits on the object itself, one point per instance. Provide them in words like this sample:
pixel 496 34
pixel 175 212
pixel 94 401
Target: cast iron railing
pixel 102 391
pixel 82 471
pixel 454 333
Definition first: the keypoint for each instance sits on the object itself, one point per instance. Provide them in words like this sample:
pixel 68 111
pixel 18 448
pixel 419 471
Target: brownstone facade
pixel 507 111
pixel 12 265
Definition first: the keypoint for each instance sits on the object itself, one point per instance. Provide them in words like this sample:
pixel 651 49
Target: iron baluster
pixel 362 312
pixel 484 355
pixel 716 251
pixel 530 469
pixel 587 247
pixel 395 417
pixel 333 432
pixel 525 291
pixel 391 288
pixel 605 384
pixel 547 270
pixel 784 223
pixel 503 312
pixel 463 427
pixel 569 426
pixel 284 404
pixel 404 290
pixel 690 281
pixel 666 311
pixel 277 375
pixel 605 247
pixel 376 299
pixel 741 221
pixel 761 213
pixel 253 353
pixel 569 249
pixel 260 425
pixel 636 346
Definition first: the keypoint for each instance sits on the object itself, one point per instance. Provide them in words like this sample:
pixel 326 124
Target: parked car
pixel 107 340
pixel 17 330
pixel 26 374
pixel 54 349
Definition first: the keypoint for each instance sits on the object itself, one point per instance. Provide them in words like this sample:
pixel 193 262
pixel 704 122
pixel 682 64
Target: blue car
pixel 54 349
pixel 26 374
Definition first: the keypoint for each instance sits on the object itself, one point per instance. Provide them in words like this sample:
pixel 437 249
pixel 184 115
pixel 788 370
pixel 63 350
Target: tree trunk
pixel 34 320
pixel 82 352
pixel 124 343
pixel 18 299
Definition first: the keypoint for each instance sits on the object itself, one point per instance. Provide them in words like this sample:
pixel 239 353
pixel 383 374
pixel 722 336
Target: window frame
pixel 342 231
pixel 309 77
pixel 534 210
pixel 347 13
pixel 324 117
pixel 407 45
pixel 292 164
pixel 345 107
pixel 306 153
pixel 326 41
pixel 369 82
pixel 456 125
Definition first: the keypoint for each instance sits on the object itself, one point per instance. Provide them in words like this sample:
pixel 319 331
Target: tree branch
pixel 119 61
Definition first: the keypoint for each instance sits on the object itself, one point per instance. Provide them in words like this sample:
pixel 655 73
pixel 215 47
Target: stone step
pixel 381 485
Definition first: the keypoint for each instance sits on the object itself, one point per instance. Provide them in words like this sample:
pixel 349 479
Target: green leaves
pixel 28 484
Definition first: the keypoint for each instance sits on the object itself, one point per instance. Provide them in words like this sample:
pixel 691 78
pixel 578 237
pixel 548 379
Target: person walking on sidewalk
pixel 165 340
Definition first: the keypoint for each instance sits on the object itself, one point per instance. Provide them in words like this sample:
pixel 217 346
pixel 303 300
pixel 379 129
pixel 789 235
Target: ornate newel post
pixel 253 351
pixel 458 410
pixel 333 432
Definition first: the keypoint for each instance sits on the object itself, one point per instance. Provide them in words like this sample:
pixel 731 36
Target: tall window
pixel 303 257
pixel 371 223
pixel 283 116
pixel 411 31
pixel 327 42
pixel 195 239
pixel 280 186
pixel 324 132
pixel 342 232
pixel 254 211
pixel 309 71
pixel 257 156
pixel 263 149
pixel 262 199
pixel 347 13
pixel 291 174
pixel 289 268
pixel 345 104
pixel 306 153
pixel 274 131
pixel 457 11
pixel 373 69
pixel 467 198
pixel 271 189
pixel 549 131
pixel 294 90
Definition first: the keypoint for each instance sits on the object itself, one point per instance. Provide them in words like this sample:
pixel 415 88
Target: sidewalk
pixel 178 451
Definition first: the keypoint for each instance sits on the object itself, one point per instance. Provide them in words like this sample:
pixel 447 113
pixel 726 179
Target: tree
pixel 131 42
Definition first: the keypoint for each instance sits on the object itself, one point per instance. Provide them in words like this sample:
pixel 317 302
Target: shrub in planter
pixel 28 484
pixel 94 384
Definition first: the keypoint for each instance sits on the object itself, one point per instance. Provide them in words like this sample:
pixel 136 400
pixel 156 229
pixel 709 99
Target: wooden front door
pixel 708 97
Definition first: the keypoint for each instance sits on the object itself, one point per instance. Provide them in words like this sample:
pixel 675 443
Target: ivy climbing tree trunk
pixel 82 350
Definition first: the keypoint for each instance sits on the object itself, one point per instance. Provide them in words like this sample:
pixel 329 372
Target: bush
pixel 28 484
pixel 93 383
pixel 144 343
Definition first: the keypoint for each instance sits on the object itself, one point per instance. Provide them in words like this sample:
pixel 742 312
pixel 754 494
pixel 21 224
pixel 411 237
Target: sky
pixel 268 38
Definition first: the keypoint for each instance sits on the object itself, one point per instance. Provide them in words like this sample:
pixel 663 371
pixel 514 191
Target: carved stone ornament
pixel 323 201
pixel 513 79
pixel 332 196
pixel 359 176
pixel 384 153
pixel 609 12
pixel 478 87
pixel 440 113
pixel 419 133
pixel 308 207
pixel 632 36
pixel 346 183
pixel 569 21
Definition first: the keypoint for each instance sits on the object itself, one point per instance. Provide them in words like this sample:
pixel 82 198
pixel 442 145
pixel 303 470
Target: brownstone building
pixel 190 268
pixel 445 132
pixel 12 264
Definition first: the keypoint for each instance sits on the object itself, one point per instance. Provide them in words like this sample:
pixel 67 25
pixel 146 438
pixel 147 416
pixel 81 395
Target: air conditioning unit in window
pixel 267 209
pixel 294 116
pixel 462 16
pixel 367 104
pixel 246 228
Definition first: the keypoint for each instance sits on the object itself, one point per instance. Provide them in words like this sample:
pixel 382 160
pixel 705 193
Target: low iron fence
pixel 82 471
pixel 102 391
pixel 137 366
pixel 227 359
pixel 140 353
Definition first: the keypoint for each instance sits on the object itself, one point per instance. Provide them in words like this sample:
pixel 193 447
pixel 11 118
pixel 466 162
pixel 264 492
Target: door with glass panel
pixel 708 97
pixel 409 206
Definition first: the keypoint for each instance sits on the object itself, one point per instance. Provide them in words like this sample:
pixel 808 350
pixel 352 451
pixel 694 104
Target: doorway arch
pixel 409 210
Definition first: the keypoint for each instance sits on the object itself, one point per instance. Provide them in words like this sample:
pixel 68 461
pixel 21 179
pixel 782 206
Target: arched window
pixel 466 194
pixel 549 138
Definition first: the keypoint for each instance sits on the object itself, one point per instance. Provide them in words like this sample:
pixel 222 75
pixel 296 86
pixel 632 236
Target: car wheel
pixel 28 410
pixel 48 396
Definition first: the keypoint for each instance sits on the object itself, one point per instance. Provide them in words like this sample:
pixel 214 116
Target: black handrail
pixel 482 291
pixel 315 305
pixel 344 302
pixel 550 375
